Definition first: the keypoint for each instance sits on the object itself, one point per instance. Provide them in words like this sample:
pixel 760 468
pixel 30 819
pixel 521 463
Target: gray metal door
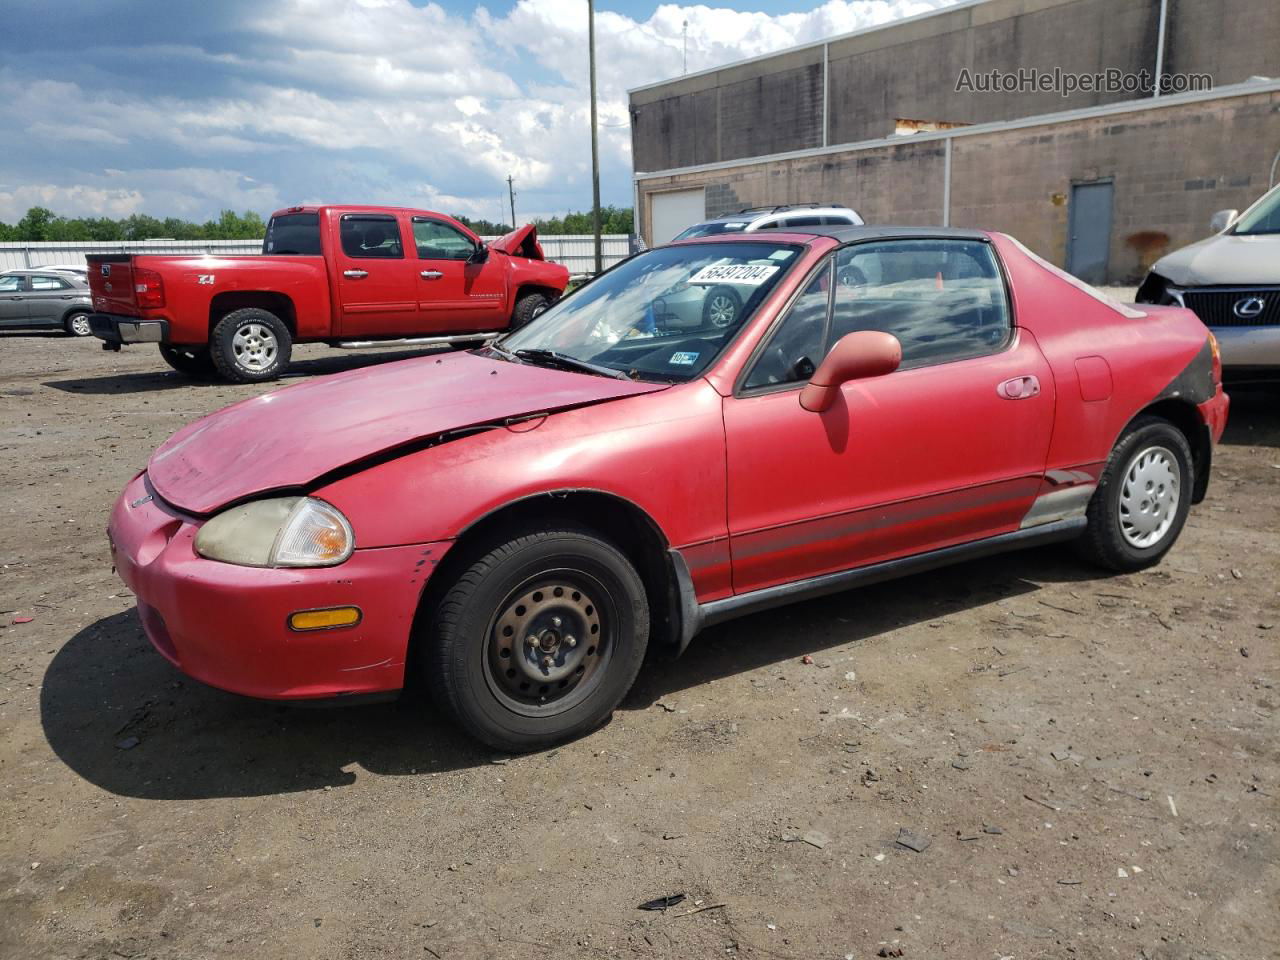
pixel 1089 224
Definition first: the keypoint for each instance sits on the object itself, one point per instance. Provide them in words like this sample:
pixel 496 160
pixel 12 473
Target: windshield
pixel 662 315
pixel 296 233
pixel 714 227
pixel 1263 218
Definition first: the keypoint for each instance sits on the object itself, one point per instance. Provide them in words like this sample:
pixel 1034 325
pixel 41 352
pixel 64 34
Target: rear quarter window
pixel 293 233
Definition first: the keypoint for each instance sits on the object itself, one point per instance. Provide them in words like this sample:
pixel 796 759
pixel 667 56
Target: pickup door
pixel 377 284
pixel 402 274
pixel 453 292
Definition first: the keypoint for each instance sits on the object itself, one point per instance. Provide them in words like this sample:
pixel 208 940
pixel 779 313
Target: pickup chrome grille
pixel 1219 307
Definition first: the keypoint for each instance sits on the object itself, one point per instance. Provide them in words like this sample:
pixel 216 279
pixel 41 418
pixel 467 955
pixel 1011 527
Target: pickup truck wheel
pixel 538 639
pixel 193 361
pixel 250 345
pixel 78 325
pixel 528 307
pixel 1143 498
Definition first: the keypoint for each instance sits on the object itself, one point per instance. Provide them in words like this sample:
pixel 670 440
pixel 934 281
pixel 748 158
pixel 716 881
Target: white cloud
pixel 389 102
pixel 80 199
pixel 194 193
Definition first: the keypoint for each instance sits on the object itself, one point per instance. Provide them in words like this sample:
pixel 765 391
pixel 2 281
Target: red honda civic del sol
pixel 706 430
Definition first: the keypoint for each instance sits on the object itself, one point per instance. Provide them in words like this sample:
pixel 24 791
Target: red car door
pixel 950 447
pixel 461 287
pixel 377 285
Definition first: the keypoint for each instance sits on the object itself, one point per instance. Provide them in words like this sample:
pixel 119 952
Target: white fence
pixel 577 252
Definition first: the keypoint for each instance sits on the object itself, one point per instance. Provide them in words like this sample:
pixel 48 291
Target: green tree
pixel 612 220
pixel 35 225
pixel 486 228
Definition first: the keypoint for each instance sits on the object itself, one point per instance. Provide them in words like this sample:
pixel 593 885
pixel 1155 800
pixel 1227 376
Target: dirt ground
pixel 1093 761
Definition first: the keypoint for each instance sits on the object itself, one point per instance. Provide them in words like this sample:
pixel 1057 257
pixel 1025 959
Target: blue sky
pixel 173 107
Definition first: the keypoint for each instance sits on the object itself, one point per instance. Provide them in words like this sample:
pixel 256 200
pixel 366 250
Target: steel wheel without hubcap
pixel 549 644
pixel 255 346
pixel 1149 495
pixel 722 310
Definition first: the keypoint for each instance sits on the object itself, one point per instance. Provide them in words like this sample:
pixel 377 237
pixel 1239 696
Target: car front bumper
pixel 115 330
pixel 1249 349
pixel 227 625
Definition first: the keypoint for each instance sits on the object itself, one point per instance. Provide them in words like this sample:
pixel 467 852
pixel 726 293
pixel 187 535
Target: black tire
pixel 527 307
pixel 544 584
pixel 717 301
pixel 250 345
pixel 191 360
pixel 77 324
pixel 1118 513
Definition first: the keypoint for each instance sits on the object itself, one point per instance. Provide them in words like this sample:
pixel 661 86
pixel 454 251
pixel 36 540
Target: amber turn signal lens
pixel 326 619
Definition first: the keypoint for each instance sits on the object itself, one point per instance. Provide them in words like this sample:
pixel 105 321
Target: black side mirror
pixel 480 254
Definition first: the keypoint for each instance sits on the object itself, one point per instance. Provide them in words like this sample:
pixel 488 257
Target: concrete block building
pixel 1102 133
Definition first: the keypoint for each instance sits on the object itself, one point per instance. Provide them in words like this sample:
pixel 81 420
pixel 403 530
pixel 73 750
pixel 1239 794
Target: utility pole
pixel 511 191
pixel 595 146
pixel 686 47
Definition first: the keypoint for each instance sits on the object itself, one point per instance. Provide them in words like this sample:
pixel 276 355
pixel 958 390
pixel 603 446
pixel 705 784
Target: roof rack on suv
pixel 785 206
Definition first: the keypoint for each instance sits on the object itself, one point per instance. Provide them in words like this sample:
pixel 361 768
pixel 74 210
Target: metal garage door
pixel 675 210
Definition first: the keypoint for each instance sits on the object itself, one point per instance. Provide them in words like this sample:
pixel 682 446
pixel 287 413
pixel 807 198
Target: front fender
pixel 662 452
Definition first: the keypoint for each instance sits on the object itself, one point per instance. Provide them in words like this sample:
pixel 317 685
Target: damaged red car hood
pixel 289 438
pixel 514 242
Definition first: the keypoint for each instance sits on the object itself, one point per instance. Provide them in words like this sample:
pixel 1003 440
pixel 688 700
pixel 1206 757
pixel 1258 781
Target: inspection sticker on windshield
pixel 683 359
pixel 747 274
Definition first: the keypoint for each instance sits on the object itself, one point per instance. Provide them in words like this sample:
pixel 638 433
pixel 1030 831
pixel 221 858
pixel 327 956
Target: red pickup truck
pixel 342 275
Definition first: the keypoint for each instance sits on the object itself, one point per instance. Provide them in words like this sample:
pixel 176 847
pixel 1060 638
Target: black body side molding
pixel 694 616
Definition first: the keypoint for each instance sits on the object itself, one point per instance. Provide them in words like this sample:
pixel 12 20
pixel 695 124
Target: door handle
pixel 431 274
pixel 355 274
pixel 1019 388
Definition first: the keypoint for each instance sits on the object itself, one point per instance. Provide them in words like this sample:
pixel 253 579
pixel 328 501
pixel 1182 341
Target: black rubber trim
pixel 718 611
pixel 686 618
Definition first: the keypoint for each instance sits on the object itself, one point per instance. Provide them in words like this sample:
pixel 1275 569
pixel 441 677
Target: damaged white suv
pixel 1232 282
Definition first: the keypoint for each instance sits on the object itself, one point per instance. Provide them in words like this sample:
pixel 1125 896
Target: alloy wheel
pixel 255 347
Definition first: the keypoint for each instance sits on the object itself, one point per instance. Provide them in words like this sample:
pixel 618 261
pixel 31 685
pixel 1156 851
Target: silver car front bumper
pixel 1244 346
pixel 1249 346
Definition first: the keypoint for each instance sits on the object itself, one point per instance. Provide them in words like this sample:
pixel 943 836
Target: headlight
pixel 284 532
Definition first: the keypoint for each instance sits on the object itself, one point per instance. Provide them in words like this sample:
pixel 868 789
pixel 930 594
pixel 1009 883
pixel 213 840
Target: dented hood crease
pixel 288 439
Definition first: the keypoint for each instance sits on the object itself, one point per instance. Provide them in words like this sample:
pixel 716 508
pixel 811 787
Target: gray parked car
pixel 34 299
pixel 1232 282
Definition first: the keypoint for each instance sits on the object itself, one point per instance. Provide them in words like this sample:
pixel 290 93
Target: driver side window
pixel 439 241
pixel 943 299
pixel 796 347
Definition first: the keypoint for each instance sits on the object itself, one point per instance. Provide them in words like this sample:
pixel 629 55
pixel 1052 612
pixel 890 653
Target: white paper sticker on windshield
pixel 683 359
pixel 746 274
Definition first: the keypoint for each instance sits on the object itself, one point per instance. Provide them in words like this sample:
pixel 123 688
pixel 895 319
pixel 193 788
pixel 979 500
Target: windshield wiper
pixel 573 363
pixel 504 354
